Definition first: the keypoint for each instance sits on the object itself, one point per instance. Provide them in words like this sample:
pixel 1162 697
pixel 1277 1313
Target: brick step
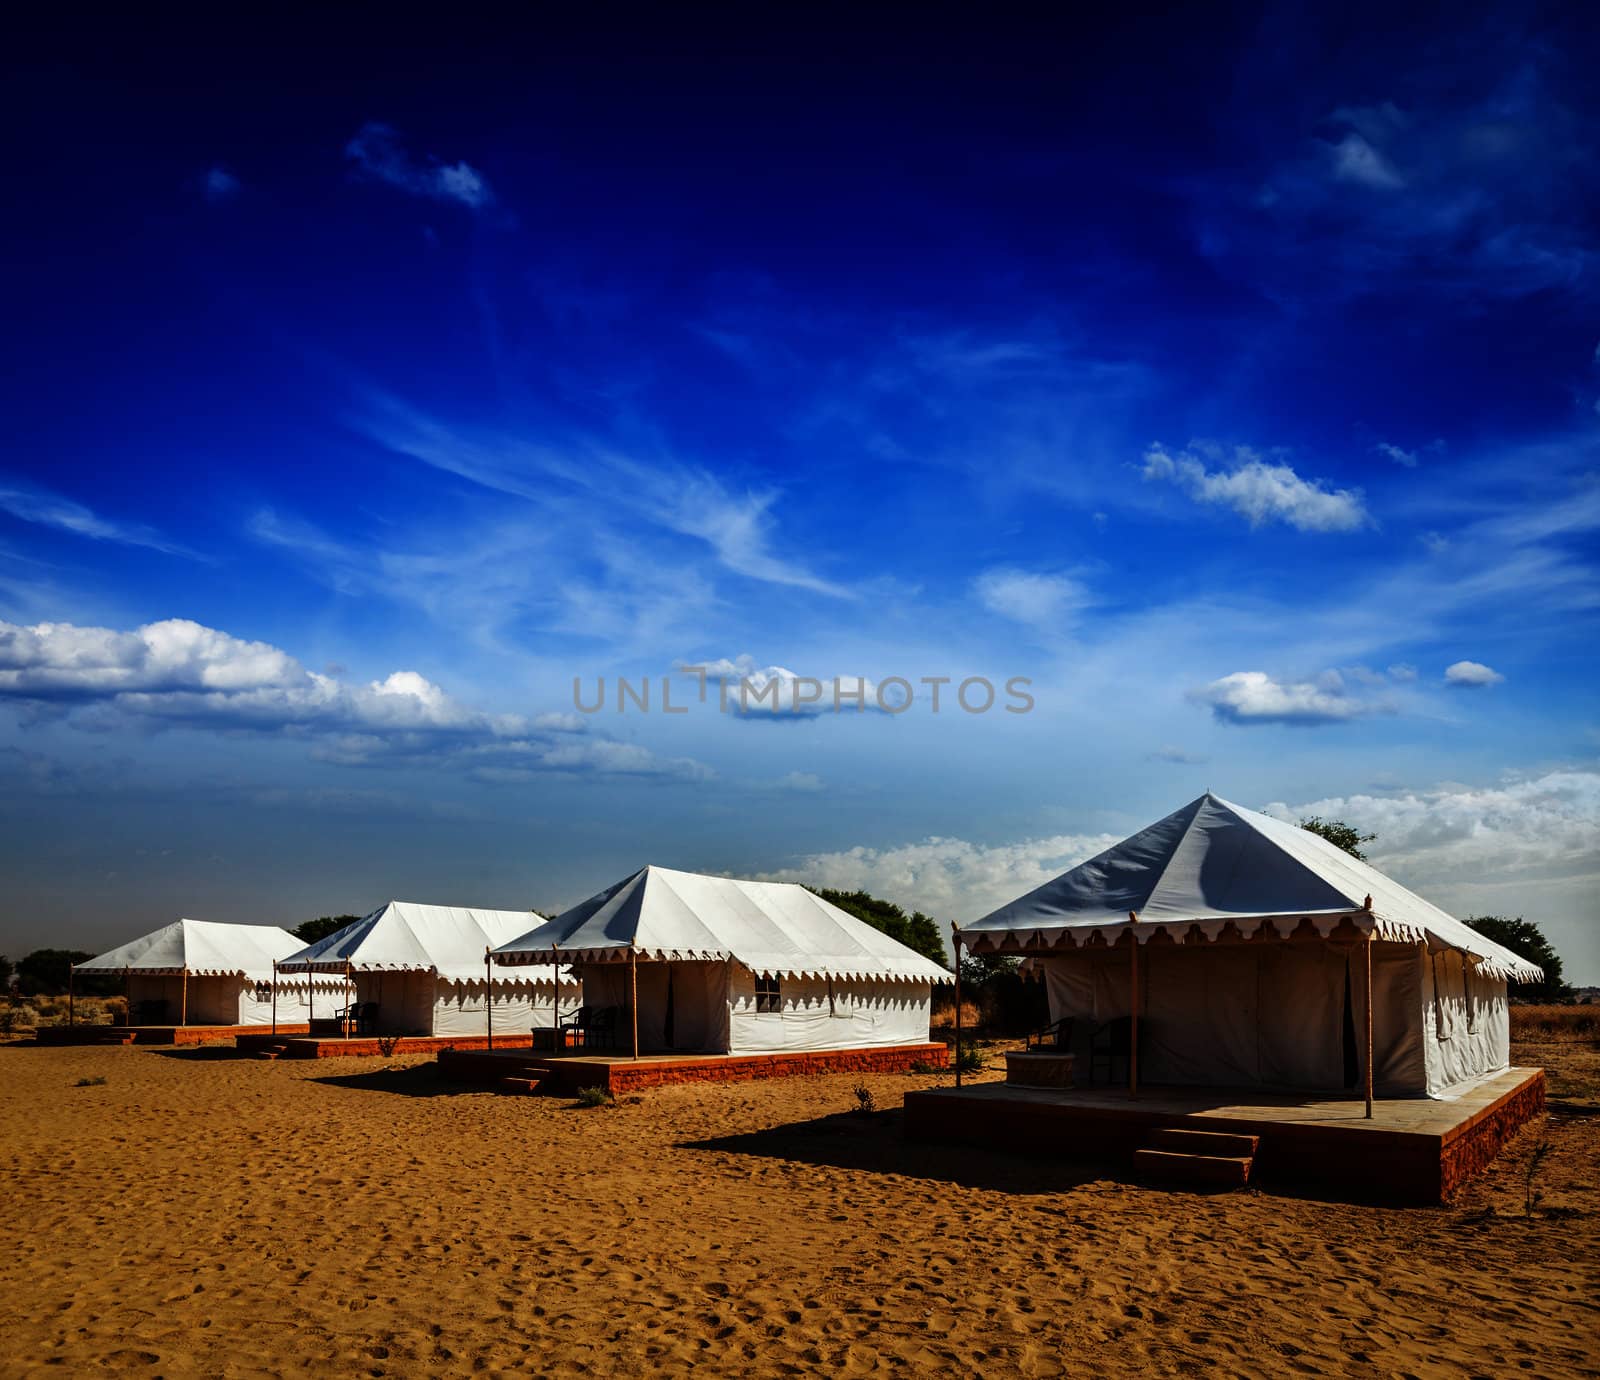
pixel 1225 1143
pixel 1229 1170
pixel 528 1082
pixel 271 1051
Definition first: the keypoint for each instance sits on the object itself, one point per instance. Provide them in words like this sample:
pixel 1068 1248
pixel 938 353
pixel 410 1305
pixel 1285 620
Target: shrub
pixel 90 1083
pixel 921 1066
pixel 594 1097
pixel 969 1058
pixel 866 1103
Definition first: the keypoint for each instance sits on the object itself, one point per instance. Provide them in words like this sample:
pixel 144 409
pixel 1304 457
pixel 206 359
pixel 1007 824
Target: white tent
pixel 1253 937
pixel 196 972
pixel 423 967
pixel 727 966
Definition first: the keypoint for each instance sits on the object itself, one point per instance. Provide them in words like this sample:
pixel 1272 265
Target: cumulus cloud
pixel 740 686
pixel 1454 840
pixel 1471 675
pixel 1254 697
pixel 377 151
pixel 219 185
pixel 177 672
pixel 950 878
pixel 33 504
pixel 1260 491
pixel 1353 159
pixel 1039 600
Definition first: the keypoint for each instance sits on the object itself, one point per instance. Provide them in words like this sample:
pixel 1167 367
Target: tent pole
pixel 555 1002
pixel 274 996
pixel 633 988
pixel 1369 1024
pixel 488 1005
pixel 1133 1009
pixel 72 1017
pixel 127 997
pixel 183 1000
pixel 348 988
pixel 955 948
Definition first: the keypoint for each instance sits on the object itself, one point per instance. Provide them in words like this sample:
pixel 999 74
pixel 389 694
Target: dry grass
pixel 1544 1023
pixel 28 1013
pixel 944 1018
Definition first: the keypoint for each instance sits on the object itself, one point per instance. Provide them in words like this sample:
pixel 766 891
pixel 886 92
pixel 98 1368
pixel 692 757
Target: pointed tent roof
pixel 1213 862
pixel 405 935
pixel 201 947
pixel 770 927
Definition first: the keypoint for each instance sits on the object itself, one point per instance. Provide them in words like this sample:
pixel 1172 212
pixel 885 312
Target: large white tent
pixel 198 972
pixel 1253 938
pixel 423 967
pixel 728 966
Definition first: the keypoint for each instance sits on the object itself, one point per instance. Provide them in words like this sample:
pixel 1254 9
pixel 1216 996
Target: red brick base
pixel 565 1074
pixel 151 1034
pixel 289 1046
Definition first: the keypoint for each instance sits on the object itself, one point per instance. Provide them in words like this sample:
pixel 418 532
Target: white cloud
pixel 1454 840
pixel 1254 697
pixel 775 692
pixel 1259 491
pixel 1355 160
pixel 804 781
pixel 219 185
pixel 1048 602
pixel 1471 675
pixel 951 879
pixel 178 672
pixel 377 151
pixel 36 505
pixel 1398 454
pixel 1176 755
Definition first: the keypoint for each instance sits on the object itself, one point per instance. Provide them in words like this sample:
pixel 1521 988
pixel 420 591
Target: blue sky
pixel 1238 387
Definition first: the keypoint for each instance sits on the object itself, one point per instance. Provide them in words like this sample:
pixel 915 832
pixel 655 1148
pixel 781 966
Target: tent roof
pixel 200 946
pixel 1213 862
pixel 405 935
pixel 770 927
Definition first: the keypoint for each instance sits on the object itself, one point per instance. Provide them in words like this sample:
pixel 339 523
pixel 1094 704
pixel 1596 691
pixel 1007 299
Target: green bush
pixel 90 1083
pixel 594 1097
pixel 969 1058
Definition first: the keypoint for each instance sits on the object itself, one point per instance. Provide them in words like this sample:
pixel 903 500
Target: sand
pixel 202 1214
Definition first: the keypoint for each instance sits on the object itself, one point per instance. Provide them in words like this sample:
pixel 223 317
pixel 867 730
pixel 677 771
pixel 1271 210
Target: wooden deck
pixel 1413 1150
pixel 564 1074
pixel 151 1034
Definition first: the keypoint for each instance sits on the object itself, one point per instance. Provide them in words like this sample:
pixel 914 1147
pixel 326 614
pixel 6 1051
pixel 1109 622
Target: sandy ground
pixel 201 1214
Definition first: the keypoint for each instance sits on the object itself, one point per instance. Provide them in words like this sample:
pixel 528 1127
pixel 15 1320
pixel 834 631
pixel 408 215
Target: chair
pixel 593 1027
pixel 366 1017
pixel 1057 1035
pixel 1111 1041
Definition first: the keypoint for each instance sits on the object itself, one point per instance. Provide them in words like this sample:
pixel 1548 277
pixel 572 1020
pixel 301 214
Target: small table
pixel 1039 1068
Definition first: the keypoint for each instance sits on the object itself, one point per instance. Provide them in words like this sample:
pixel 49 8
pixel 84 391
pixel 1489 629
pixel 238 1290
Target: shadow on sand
pixel 873 1143
pixel 414 1080
pixel 196 1054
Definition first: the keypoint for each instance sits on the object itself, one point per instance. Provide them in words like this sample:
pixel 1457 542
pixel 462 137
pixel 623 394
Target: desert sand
pixel 203 1214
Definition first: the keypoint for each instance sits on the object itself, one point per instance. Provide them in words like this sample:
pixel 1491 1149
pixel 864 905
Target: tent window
pixel 768 997
pixel 1469 996
pixel 263 991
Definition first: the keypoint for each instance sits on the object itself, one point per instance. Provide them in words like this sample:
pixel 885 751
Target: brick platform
pixel 284 1045
pixel 1414 1150
pixel 564 1074
pixel 151 1034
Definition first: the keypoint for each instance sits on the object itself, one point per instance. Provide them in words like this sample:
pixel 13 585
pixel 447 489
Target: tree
pixel 916 931
pixel 7 968
pixel 44 972
pixel 321 927
pixel 1339 834
pixel 1526 940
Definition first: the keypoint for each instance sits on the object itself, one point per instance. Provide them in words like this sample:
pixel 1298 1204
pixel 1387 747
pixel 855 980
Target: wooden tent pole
pixel 1369 1024
pixel 633 986
pixel 1133 1009
pixel 274 996
pixel 488 993
pixel 72 1017
pixel 127 997
pixel 555 1004
pixel 183 999
pixel 955 948
pixel 349 989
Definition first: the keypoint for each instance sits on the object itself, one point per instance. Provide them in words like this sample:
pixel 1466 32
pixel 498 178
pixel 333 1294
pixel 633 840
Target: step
pixel 1230 1170
pixel 512 1083
pixel 1225 1143
pixel 271 1051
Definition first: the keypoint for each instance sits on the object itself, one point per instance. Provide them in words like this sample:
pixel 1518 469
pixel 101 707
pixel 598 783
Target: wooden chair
pixel 1111 1041
pixel 1057 1035
pixel 593 1027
